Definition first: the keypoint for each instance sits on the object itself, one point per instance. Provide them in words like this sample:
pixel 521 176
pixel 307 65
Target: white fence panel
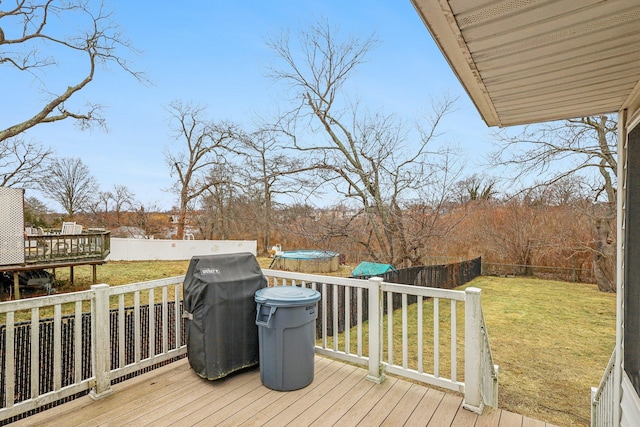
pixel 160 249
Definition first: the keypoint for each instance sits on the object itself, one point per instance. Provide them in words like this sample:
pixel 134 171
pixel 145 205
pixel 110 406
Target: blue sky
pixel 213 53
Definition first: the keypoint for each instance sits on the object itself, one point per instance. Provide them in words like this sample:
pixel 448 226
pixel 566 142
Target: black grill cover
pixel 220 312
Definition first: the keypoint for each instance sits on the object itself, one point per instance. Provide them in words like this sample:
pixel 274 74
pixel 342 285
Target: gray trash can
pixel 286 333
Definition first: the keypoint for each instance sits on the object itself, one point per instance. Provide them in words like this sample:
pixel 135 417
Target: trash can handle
pixel 263 319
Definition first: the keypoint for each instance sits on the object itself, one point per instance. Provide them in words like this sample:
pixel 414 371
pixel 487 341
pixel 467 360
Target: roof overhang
pixel 540 60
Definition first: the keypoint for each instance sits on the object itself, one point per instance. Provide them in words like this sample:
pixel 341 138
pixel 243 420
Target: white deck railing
pixel 435 335
pixel 603 399
pixel 98 300
pixel 420 339
pixel 33 307
pixel 170 290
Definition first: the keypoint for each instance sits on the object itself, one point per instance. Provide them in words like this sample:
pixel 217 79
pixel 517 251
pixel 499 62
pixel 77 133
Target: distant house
pixel 128 232
pixel 371 269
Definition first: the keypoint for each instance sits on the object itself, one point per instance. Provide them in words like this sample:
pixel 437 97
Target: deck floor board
pixel 339 395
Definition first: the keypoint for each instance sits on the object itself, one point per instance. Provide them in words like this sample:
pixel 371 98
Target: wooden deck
pixel 339 395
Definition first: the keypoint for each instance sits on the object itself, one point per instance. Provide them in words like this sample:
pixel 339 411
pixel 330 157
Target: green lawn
pixel 552 340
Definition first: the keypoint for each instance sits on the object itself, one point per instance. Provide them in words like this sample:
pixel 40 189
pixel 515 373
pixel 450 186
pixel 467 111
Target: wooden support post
pixel 16 285
pixel 71 275
pixel 95 273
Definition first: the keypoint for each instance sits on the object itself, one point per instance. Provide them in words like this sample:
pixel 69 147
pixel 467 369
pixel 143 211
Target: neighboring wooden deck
pixel 339 395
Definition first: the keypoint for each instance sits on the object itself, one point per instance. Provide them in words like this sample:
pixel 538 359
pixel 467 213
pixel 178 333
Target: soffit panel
pixel 521 60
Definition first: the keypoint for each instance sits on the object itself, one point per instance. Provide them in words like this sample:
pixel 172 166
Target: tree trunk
pixel 604 258
pixel 182 217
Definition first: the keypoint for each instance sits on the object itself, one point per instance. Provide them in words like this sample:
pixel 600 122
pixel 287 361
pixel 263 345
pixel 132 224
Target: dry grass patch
pixel 552 341
pixel 116 273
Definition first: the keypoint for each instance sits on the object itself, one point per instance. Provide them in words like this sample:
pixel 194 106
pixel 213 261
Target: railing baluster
pixel 390 327
pixel 121 332
pixel 436 337
pixel 420 335
pixel 35 352
pixel 165 319
pixel 324 315
pixel 335 317
pixel 178 319
pixel 136 326
pixel 359 327
pixel 77 342
pixel 10 366
pixel 454 341
pixel 152 324
pixel 405 333
pixel 57 347
pixel 347 319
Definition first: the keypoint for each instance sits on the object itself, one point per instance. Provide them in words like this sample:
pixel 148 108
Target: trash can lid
pixel 286 296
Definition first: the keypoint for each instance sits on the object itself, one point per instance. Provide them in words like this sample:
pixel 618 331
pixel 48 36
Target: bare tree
pixel 148 217
pixel 70 183
pixel 99 209
pixel 473 188
pixel 35 212
pixel 21 162
pixel 371 159
pixel 217 213
pixel 205 143
pixel 109 203
pixel 584 147
pixel 561 149
pixel 35 37
pixel 122 199
pixel 271 172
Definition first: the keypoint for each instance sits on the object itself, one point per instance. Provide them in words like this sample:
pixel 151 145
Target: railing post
pixel 472 350
pixel 375 330
pixel 101 343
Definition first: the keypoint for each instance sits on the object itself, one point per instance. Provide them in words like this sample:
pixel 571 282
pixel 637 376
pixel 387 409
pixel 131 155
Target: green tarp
pixel 366 268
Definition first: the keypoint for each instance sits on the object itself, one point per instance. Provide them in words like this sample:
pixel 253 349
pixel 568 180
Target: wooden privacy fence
pixel 443 276
pixel 567 274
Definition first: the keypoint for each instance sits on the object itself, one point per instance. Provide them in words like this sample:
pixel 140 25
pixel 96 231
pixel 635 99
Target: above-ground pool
pixel 307 261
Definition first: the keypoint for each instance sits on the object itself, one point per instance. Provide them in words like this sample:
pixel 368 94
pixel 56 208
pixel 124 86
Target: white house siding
pixel 630 404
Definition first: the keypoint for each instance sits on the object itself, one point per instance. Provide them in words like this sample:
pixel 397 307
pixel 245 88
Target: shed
pixel 366 268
